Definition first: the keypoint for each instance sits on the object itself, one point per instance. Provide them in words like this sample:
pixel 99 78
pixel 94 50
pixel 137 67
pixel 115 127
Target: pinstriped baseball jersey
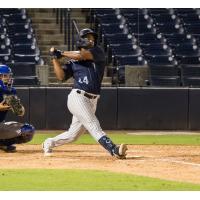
pixel 88 74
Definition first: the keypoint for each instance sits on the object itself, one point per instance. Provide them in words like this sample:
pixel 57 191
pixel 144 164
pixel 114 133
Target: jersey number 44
pixel 83 80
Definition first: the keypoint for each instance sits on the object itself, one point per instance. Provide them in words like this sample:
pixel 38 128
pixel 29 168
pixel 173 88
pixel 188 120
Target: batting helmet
pixel 86 31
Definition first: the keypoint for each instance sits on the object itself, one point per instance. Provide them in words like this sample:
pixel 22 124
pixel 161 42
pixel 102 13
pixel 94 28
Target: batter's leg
pixel 84 110
pixel 75 131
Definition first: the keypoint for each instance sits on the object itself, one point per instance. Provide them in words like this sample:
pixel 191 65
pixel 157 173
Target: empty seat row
pixel 18 47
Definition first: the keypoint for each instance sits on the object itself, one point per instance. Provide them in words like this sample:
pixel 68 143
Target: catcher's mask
pixel 88 38
pixel 6 75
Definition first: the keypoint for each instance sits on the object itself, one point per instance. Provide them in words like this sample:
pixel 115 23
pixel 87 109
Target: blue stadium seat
pixel 112 28
pixel 158 11
pixel 19 28
pixel 130 60
pixel 129 11
pixel 177 39
pixel 102 11
pixel 23 38
pixel 26 81
pixel 136 19
pixel 23 69
pixel 162 61
pixel 191 75
pixel 171 81
pixel 108 18
pixel 190 60
pixel 5 55
pixel 8 11
pixel 119 38
pixel 155 50
pixel 193 29
pixel 190 18
pixel 165 19
pixel 148 39
pixel 141 28
pixel 167 29
pixel 186 50
pixel 185 11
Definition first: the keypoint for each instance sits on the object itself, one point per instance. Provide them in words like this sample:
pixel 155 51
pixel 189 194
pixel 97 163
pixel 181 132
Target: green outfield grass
pixel 84 180
pixel 129 139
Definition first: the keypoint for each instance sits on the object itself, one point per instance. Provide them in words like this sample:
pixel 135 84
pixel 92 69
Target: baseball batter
pixel 11 132
pixel 87 68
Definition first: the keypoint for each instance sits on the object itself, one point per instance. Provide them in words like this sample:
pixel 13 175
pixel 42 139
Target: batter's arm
pixel 83 54
pixel 58 70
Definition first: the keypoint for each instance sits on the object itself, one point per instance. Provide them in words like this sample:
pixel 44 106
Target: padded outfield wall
pixel 118 108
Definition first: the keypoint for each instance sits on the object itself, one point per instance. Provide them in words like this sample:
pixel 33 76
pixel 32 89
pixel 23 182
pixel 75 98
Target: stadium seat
pixel 137 19
pixel 165 19
pixel 186 50
pixel 162 70
pixel 148 39
pixel 23 69
pixel 19 28
pixel 5 55
pixel 167 29
pixel 158 11
pixel 165 81
pixel 112 28
pixel 129 11
pixel 130 60
pixel 190 19
pixel 185 11
pixel 154 50
pixel 192 29
pixel 141 28
pixel 102 11
pixel 9 11
pixel 119 38
pixel 177 39
pixel 23 38
pixel 26 81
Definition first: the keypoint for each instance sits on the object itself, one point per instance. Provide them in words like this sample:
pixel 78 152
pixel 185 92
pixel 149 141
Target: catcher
pixel 11 133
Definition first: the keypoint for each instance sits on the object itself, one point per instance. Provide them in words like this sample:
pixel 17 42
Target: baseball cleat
pixel 8 149
pixel 46 146
pixel 120 151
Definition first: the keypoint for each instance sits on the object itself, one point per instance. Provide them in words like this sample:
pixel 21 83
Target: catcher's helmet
pixel 4 69
pixel 6 75
pixel 86 31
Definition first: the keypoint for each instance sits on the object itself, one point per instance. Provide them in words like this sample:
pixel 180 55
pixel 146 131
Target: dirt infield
pixel 170 162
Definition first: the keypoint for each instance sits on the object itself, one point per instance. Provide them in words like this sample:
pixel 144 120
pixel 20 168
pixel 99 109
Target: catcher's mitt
pixel 14 102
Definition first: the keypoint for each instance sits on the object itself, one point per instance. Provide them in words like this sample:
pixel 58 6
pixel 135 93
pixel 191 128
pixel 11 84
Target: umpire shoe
pixel 120 151
pixel 46 146
pixel 8 149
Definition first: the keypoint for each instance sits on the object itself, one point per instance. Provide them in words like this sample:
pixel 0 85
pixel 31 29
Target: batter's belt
pixel 89 96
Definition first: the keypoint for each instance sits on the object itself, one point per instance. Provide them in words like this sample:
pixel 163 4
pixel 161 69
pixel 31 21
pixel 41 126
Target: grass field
pixel 130 139
pixel 93 180
pixel 84 180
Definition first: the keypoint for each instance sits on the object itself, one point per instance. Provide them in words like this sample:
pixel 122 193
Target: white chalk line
pixel 166 160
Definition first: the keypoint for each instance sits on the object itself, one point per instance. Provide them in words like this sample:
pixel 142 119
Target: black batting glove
pixel 55 54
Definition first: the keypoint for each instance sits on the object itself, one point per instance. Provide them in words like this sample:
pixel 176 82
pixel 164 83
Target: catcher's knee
pixel 27 133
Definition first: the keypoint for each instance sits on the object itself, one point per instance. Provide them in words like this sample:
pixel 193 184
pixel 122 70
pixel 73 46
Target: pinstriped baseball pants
pixel 83 110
